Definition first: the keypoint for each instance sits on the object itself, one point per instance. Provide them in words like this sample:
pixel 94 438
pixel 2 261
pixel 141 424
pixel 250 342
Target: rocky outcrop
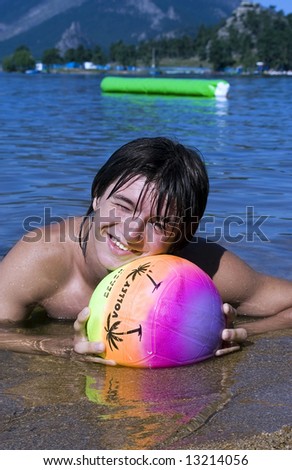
pixel 72 38
pixel 36 16
pixel 40 25
pixel 238 17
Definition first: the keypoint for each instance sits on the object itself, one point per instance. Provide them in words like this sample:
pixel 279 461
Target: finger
pixel 228 309
pixel 94 359
pixel 99 360
pixel 238 335
pixel 86 347
pixel 223 352
pixel 79 324
pixel 230 314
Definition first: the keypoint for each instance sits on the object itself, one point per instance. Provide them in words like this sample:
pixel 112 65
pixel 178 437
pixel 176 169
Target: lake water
pixel 57 130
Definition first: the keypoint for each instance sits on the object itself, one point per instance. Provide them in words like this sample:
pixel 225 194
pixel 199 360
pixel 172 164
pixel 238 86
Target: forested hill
pixel 40 24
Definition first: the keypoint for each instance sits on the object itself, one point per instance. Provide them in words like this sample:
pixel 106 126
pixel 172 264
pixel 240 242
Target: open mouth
pixel 121 246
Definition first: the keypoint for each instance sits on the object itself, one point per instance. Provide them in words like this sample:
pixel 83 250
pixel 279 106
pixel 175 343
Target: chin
pixel 111 264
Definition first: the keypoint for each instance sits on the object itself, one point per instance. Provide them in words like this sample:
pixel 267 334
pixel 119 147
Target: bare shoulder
pixel 33 269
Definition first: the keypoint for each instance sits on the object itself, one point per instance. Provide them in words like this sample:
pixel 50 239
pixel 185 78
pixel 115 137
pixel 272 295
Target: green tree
pixel 83 54
pixel 122 53
pixel 51 57
pixel 220 54
pixel 70 55
pixel 146 51
pixel 98 56
pixel 20 61
pixel 8 64
pixel 201 41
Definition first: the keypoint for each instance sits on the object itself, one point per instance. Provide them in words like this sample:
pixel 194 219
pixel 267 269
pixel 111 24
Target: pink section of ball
pixel 186 323
pixel 157 311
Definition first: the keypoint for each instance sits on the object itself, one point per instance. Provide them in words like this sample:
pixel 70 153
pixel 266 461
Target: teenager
pixel 147 199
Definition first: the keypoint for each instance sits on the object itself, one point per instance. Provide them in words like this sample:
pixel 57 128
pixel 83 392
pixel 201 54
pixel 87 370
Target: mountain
pixel 40 24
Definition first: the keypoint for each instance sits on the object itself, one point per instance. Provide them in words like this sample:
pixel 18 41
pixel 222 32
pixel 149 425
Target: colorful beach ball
pixel 157 311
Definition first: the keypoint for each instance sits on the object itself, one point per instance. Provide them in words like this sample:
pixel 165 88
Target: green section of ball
pixel 98 306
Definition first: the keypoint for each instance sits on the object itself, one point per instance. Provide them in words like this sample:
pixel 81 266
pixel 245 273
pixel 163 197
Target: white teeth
pixel 119 245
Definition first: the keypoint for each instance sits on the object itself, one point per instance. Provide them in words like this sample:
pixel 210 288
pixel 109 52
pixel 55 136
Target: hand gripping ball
pixel 157 311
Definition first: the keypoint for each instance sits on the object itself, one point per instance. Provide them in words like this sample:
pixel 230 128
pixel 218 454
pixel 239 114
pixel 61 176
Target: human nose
pixel 134 230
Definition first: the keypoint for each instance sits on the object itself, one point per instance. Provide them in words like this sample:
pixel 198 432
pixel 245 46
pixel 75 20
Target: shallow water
pixel 112 407
pixel 52 403
pixel 55 133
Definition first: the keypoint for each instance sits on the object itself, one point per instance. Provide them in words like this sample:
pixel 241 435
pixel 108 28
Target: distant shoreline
pixel 165 73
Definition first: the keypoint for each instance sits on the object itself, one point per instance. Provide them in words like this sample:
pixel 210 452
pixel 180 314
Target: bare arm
pixel 253 294
pixel 27 276
pixel 22 340
pixel 18 340
pixel 267 298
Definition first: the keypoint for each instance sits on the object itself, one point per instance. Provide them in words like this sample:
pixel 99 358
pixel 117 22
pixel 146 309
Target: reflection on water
pixel 145 407
pixel 174 116
pixel 150 406
pixel 175 402
pixel 148 391
pixel 52 403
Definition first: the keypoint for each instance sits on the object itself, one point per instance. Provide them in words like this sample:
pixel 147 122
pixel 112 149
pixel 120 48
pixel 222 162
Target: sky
pixel 285 5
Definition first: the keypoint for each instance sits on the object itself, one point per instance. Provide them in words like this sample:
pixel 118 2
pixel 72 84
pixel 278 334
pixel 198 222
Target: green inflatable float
pixel 166 86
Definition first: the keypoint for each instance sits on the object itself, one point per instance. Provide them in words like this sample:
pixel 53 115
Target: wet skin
pixel 48 269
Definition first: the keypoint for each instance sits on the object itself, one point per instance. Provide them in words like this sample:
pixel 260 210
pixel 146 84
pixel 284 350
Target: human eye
pixel 166 227
pixel 158 225
pixel 122 204
pixel 123 207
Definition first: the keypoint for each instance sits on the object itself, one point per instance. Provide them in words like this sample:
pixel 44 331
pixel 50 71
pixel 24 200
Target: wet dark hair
pixel 178 174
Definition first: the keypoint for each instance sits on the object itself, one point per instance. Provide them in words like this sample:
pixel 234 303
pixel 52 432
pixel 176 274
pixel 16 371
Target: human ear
pixel 95 203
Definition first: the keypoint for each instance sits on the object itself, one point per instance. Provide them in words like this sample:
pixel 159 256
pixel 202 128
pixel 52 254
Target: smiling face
pixel 126 226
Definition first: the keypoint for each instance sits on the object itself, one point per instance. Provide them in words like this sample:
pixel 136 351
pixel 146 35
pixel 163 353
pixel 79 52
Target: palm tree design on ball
pixel 113 336
pixel 142 269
